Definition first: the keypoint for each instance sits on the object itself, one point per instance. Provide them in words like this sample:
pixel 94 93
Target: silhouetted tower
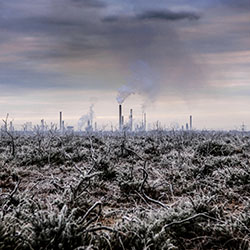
pixel 190 122
pixel 120 117
pixel 60 120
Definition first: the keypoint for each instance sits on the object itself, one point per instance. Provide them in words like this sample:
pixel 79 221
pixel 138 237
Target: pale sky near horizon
pixel 177 57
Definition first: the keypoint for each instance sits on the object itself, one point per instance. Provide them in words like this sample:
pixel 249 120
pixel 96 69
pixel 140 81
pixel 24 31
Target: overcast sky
pixel 176 58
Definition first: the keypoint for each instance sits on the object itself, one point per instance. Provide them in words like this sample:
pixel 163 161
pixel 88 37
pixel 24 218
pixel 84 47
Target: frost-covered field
pixel 155 190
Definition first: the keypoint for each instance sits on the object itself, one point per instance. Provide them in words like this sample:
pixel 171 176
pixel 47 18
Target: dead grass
pixel 156 190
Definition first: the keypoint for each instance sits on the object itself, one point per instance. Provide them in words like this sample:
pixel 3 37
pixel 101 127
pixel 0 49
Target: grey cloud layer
pixel 86 29
pixel 80 31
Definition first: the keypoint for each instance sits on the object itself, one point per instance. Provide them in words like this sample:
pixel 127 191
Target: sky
pixel 168 58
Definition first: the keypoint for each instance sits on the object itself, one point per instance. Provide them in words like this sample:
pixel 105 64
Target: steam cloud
pixel 124 92
pixel 87 117
pixel 141 82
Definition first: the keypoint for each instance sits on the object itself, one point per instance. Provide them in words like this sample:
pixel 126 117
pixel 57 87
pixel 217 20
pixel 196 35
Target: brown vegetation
pixel 155 190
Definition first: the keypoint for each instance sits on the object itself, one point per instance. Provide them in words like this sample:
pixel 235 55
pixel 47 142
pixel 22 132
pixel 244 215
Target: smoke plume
pixel 141 81
pixel 124 92
pixel 86 118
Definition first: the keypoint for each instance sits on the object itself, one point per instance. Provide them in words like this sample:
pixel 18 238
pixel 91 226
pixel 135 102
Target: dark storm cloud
pixel 167 15
pixel 73 32
pixel 157 15
pixel 89 3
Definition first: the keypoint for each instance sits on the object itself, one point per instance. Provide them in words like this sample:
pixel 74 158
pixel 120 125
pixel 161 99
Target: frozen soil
pixel 154 190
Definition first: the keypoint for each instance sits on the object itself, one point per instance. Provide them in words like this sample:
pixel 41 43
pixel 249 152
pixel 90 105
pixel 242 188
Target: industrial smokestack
pixel 60 121
pixel 120 117
pixel 191 123
pixel 131 120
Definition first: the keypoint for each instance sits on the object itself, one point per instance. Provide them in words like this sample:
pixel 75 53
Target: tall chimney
pixel 131 120
pixel 60 121
pixel 120 117
pixel 190 123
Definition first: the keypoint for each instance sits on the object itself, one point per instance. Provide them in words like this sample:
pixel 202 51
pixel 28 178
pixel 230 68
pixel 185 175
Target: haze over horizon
pixel 173 58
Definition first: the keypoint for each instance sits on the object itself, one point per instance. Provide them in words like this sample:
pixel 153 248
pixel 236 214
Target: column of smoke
pixel 87 119
pixel 142 82
pixel 123 93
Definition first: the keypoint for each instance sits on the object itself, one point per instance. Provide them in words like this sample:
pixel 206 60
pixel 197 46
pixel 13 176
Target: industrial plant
pixel 86 123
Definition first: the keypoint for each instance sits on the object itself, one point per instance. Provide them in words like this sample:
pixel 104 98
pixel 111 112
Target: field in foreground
pixel 155 190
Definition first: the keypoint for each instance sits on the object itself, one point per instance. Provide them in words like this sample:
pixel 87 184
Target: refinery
pixel 86 123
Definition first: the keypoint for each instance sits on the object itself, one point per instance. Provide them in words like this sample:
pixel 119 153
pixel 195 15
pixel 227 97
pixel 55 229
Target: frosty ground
pixel 154 190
